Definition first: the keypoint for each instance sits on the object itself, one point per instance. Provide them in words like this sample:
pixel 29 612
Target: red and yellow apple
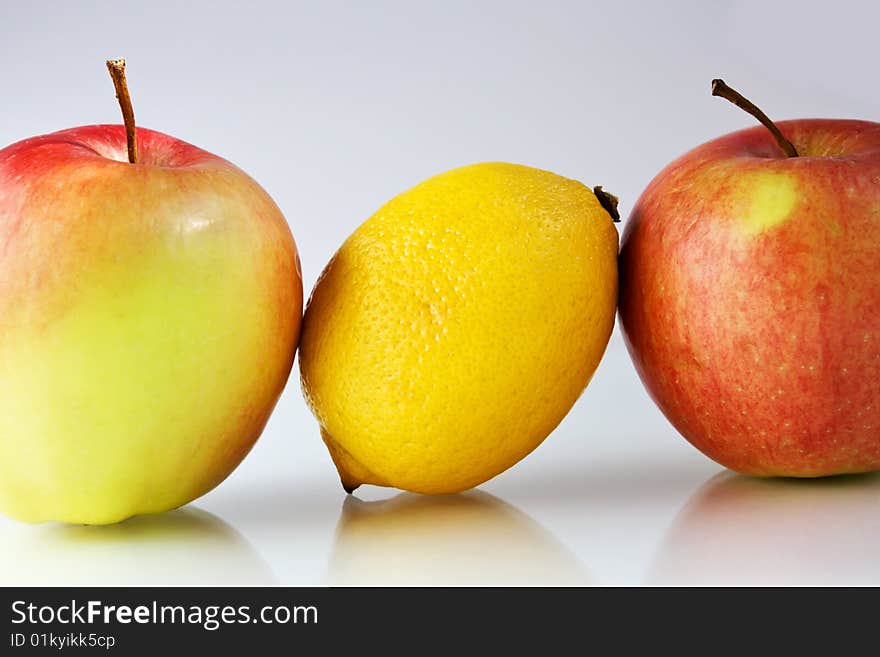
pixel 750 298
pixel 149 315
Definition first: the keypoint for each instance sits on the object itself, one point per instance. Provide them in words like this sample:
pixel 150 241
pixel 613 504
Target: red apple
pixel 750 297
pixel 149 314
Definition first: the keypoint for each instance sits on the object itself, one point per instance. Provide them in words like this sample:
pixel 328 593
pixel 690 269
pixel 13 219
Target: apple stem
pixel 117 72
pixel 719 88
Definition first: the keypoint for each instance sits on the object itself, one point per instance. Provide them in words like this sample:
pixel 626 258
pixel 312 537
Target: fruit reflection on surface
pixel 149 314
pixel 738 530
pixel 456 327
pixel 750 298
pixel 471 538
pixel 183 547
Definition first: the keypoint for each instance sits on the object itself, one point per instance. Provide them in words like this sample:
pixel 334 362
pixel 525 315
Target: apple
pixel 150 305
pixel 750 295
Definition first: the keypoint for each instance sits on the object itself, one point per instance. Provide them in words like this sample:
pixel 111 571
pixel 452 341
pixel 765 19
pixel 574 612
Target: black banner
pixel 121 620
pixel 128 621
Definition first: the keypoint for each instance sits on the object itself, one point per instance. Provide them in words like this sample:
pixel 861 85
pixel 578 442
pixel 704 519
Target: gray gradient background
pixel 336 107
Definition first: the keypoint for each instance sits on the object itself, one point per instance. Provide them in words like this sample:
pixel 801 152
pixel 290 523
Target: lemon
pixel 455 328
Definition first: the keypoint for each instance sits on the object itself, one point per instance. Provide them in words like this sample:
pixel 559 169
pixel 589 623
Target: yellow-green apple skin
pixel 149 315
pixel 750 298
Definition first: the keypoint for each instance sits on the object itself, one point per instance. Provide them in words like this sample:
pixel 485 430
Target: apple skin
pixel 750 298
pixel 149 315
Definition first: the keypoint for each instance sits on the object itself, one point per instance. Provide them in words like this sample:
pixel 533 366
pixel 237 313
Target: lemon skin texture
pixel 455 328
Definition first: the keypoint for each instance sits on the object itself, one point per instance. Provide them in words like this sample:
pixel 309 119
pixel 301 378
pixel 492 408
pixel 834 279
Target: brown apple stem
pixel 117 72
pixel 719 88
pixel 607 201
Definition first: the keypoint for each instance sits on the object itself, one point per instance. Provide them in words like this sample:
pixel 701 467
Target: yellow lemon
pixel 456 327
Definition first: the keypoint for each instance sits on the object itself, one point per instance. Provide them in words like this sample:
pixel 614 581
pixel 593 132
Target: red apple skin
pixel 750 298
pixel 149 315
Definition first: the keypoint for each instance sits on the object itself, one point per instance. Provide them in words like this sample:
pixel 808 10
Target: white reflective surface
pixel 183 547
pixel 473 538
pixel 736 530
